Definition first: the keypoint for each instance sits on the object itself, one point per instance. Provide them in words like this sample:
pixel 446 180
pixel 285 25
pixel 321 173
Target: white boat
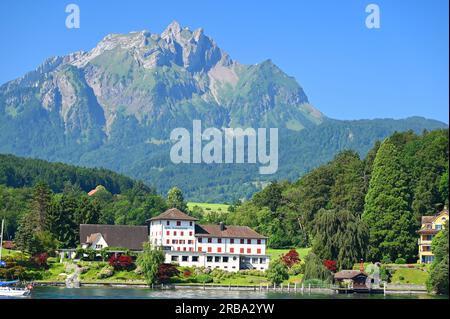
pixel 7 288
pixel 14 292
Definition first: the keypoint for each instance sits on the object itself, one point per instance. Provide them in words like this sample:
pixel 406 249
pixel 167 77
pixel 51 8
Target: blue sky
pixel 347 70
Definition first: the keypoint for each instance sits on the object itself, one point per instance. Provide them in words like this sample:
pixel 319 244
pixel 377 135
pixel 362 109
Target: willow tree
pixel 341 236
pixel 387 212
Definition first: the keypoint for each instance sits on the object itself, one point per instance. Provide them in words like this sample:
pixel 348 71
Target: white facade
pixel 183 246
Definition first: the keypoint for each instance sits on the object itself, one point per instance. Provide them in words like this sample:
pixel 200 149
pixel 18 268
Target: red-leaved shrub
pixel 330 265
pixel 166 271
pixel 291 258
pixel 121 262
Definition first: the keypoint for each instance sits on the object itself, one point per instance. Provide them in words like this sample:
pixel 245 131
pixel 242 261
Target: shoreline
pixel 284 289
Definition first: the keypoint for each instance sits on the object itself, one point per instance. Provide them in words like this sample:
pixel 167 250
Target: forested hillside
pixel 20 172
pixel 353 208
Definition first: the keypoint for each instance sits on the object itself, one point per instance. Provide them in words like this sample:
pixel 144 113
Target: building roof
pixel 425 231
pixel 173 214
pixel 348 274
pixel 227 232
pixel 130 237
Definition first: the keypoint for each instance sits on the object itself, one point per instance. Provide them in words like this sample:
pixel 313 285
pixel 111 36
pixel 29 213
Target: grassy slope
pixel 275 253
pixel 207 207
pixel 409 276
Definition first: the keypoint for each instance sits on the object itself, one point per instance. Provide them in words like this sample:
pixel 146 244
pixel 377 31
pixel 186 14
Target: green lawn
pixel 275 253
pixel 7 252
pixel 207 207
pixel 409 276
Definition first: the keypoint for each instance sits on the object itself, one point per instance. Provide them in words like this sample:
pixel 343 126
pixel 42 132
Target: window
pixel 219 249
pixel 242 250
pixel 249 251
pixel 178 248
pixel 168 233
pixel 200 240
pixel 178 223
pixel 225 259
pixel 209 240
pixel 174 258
pixel 184 248
pixel 168 223
pixel 191 249
pixel 209 249
pixel 98 246
pixel 209 259
pixel 219 240
pixel 190 233
pixel 249 241
pixel 217 259
pixel 242 241
pixel 190 242
pixel 174 241
pixel 174 233
pixel 182 233
pixel 168 241
pixel 258 251
pixel 232 241
pixel 262 260
pixel 254 260
pixel 200 249
pixel 190 223
pixel 258 241
pixel 184 258
pixel 438 226
pixel 194 259
pixel 231 250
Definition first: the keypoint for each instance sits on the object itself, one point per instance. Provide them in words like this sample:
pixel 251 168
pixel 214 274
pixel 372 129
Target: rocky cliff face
pixel 162 81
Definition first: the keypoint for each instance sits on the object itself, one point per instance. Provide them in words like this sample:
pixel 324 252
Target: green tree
pixel 391 222
pixel 62 220
pixel 277 272
pixel 149 261
pixel 175 199
pixel 341 236
pixel 314 269
pixel 438 280
pixel 40 204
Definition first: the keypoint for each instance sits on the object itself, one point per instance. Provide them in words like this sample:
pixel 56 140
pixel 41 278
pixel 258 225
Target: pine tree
pixel 387 213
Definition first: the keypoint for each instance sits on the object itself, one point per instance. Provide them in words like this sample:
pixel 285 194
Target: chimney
pixel 361 265
pixel 222 226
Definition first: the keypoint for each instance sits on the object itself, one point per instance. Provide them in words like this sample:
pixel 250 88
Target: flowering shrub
pixel 122 262
pixel 106 272
pixel 330 265
pixel 290 258
pixel 187 273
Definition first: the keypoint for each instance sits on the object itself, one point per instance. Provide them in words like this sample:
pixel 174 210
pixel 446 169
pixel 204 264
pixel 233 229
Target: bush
pixel 291 258
pixel 40 260
pixel 105 272
pixel 386 260
pixel 166 271
pixel 400 261
pixel 203 278
pixel 122 262
pixel 297 269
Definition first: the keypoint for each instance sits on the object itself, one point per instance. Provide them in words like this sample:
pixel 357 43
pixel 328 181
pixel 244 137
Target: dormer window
pixel 168 223
pixel 178 223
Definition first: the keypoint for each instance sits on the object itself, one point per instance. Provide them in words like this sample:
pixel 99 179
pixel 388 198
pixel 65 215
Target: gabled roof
pixel 227 232
pixel 173 214
pixel 431 219
pixel 130 237
pixel 348 274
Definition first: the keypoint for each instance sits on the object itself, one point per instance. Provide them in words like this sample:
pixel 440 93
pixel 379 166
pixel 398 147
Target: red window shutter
pixel 182 233
pixel 249 251
pixel 199 248
pixel 168 233
pixel 258 251
pixel 209 249
pixel 219 249
pixel 242 250
pixel 190 233
pixel 231 250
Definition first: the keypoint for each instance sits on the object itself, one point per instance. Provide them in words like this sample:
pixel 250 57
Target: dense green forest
pixel 18 172
pixel 368 208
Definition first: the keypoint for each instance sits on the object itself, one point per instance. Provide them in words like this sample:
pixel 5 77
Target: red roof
pixel 173 214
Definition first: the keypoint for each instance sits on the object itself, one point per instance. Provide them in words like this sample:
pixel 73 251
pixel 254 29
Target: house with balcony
pixel 431 225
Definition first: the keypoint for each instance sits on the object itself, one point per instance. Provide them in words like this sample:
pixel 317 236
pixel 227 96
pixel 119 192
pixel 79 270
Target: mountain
pixel 116 105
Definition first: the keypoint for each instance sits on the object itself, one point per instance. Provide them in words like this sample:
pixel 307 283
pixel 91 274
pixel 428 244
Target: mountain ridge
pixel 115 105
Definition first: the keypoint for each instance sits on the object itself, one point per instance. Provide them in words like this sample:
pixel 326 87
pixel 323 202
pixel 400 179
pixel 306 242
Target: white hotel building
pixel 213 246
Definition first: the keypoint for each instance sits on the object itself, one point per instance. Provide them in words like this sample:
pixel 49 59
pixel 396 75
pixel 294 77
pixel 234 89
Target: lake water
pixel 144 293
